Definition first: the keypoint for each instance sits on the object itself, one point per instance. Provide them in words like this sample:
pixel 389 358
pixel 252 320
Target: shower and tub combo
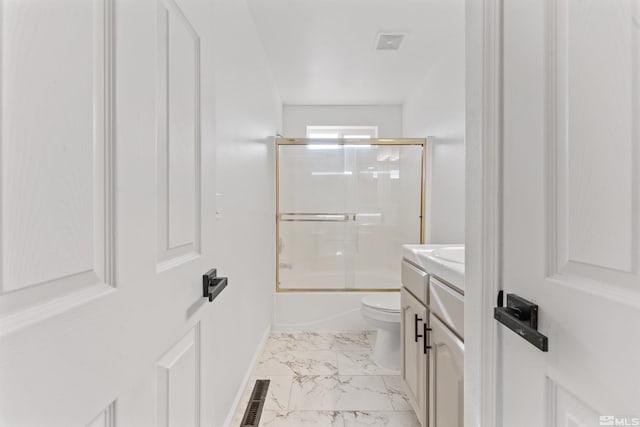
pixel 344 209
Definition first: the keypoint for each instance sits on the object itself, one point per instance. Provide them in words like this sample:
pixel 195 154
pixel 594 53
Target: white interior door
pixel 571 193
pixel 106 216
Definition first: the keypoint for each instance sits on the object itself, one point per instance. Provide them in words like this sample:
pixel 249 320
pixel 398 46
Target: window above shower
pixel 342 132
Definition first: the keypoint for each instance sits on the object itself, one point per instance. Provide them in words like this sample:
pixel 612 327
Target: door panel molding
pixel 106 418
pixel 178 138
pixel 63 254
pixel 586 161
pixel 179 373
pixel 566 410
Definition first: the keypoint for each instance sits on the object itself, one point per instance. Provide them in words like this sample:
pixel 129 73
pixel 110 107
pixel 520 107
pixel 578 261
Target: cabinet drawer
pixel 416 281
pixel 447 304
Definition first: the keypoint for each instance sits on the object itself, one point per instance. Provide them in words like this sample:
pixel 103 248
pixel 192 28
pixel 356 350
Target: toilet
pixel 382 311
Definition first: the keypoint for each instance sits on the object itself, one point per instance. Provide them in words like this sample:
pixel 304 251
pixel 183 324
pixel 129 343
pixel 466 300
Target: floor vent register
pixel 256 403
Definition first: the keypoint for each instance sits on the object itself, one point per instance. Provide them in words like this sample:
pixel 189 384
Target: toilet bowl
pixel 382 311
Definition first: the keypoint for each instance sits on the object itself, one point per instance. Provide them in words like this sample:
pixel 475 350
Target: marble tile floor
pixel 327 379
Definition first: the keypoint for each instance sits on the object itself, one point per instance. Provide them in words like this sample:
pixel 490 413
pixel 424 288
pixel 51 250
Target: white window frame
pixel 340 132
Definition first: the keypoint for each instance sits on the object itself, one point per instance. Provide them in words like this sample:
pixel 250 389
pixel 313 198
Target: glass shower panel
pixel 344 212
pixel 386 196
pixel 316 230
pixel 316 255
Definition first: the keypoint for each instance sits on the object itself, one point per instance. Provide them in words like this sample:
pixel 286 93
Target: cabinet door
pixel 446 376
pixel 414 360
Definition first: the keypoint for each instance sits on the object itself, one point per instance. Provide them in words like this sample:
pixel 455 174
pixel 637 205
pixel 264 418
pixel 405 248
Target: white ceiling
pixel 323 51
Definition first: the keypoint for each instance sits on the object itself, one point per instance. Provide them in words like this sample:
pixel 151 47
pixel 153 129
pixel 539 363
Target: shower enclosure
pixel 344 209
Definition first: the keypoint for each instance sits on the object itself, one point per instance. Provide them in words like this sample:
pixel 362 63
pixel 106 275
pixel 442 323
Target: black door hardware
pixel 212 285
pixel 425 345
pixel 416 319
pixel 521 316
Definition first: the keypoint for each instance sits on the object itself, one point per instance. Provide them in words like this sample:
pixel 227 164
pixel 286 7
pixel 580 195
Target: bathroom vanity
pixel 432 332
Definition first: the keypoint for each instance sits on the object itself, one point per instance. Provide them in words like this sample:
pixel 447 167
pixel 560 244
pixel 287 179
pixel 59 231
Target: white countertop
pixel 426 257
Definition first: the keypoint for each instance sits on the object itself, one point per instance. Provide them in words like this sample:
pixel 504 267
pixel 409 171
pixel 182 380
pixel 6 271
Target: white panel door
pixel 105 129
pixel 571 212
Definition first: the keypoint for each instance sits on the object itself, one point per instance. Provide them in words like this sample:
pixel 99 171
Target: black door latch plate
pixel 521 316
pixel 212 285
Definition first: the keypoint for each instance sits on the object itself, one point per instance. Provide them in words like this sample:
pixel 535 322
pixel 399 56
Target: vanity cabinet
pixel 432 347
pixel 414 359
pixel 446 376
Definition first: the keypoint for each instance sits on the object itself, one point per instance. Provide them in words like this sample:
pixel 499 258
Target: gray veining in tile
pixel 277 396
pixel 371 336
pixel 316 341
pixel 301 419
pixel 297 363
pixel 327 379
pixel 339 393
pixel 399 399
pixel 346 341
pixel 360 363
pixel 380 419
pixel 278 392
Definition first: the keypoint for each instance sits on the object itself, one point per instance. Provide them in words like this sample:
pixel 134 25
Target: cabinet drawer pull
pixel 416 320
pixel 425 340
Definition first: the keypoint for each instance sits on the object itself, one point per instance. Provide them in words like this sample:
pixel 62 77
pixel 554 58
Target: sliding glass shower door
pixel 344 210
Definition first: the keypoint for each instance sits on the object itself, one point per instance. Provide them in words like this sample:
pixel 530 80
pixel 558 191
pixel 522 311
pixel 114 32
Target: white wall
pixel 388 118
pixel 248 110
pixel 436 109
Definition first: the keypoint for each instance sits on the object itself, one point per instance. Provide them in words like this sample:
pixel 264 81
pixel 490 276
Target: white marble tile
pixel 325 379
pixel 277 396
pixel 339 393
pixel 301 419
pixel 297 341
pixel 313 341
pixel 297 363
pixel 345 341
pixel 360 363
pixel 371 336
pixel 399 399
pixel 278 392
pixel 380 419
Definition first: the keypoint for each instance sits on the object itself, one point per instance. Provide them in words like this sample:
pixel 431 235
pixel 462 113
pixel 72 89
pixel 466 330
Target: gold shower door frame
pixel 373 141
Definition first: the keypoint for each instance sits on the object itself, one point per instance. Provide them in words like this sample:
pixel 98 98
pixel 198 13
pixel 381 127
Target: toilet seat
pixel 389 303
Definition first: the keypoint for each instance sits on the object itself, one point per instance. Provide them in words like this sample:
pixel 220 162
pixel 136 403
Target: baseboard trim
pixel 247 377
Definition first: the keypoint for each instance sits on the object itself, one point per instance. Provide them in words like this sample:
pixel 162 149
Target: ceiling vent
pixel 389 41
